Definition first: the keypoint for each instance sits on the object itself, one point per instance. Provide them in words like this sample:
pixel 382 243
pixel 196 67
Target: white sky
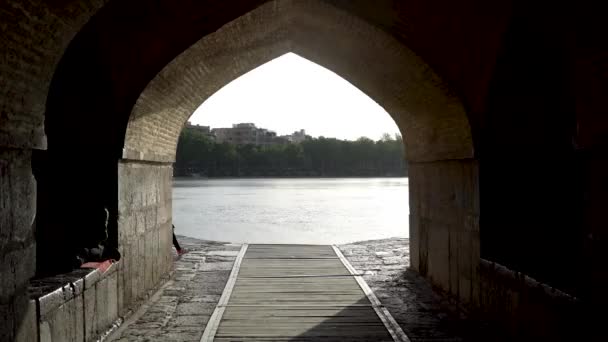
pixel 291 93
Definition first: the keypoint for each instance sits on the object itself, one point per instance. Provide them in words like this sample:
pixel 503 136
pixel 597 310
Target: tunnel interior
pixel 504 126
pixel 434 116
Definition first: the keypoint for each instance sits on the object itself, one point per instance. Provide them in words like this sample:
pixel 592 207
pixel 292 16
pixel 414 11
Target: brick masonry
pixel 34 37
pixel 431 117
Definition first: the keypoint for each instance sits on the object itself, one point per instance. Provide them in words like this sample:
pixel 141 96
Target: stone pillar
pixel 444 225
pixel 21 132
pixel 17 243
pixel 144 227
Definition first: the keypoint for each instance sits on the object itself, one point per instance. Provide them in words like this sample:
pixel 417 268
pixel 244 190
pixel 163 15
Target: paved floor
pixel 181 309
pixel 424 314
pixel 295 293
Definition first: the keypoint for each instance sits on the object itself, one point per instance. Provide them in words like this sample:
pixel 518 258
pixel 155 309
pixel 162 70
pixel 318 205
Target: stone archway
pixel 444 202
pixel 390 73
pixel 101 54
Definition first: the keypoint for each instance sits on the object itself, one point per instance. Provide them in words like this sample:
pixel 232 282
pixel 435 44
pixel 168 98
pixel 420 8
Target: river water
pixel 308 211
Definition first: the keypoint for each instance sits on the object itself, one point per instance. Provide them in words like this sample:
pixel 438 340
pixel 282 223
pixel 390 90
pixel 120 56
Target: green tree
pixel 196 153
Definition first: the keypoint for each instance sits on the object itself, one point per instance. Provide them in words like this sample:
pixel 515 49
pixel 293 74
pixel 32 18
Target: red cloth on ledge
pixel 100 265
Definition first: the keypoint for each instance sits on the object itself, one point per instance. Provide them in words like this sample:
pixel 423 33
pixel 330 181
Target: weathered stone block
pixel 157 264
pixel 90 312
pixel 92 278
pixel 18 200
pixel 65 323
pixel 127 276
pixel 149 258
pixel 16 268
pixel 45 332
pixel 17 246
pixel 415 242
pixel 423 247
pixel 51 301
pixel 145 211
pixel 27 328
pixel 438 255
pixel 120 288
pixel 101 306
pixel 141 267
pixel 112 301
pixel 127 228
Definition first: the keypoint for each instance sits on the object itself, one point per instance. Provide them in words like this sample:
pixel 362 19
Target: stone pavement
pixel 179 311
pixel 423 314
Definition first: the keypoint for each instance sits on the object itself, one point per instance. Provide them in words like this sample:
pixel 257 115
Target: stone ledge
pixel 76 306
pixel 526 307
pixel 514 280
pixel 180 308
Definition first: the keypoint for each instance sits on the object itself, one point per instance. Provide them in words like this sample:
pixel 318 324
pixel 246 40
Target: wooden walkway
pixel 298 293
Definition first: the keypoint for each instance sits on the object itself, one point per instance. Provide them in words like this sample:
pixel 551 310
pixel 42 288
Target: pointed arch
pixel 432 119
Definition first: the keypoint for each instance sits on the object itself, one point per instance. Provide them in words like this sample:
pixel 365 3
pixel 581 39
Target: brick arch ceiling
pixel 110 61
pixel 431 118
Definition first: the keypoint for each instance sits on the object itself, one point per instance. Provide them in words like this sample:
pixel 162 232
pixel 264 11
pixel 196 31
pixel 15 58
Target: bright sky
pixel 291 93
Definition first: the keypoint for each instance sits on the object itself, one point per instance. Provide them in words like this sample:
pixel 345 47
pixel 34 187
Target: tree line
pixel 197 154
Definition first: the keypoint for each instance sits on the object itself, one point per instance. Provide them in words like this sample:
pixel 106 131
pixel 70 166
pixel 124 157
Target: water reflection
pixel 317 211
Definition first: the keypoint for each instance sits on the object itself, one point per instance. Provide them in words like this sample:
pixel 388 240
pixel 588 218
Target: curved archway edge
pixel 431 118
pixel 444 209
pixel 73 71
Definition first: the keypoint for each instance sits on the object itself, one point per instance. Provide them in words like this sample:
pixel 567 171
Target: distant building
pixel 296 137
pixel 221 134
pixel 206 130
pixel 249 134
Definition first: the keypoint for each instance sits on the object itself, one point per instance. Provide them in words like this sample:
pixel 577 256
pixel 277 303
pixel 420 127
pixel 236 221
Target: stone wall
pixel 79 306
pixel 17 244
pixel 445 248
pixel 34 35
pixel 444 225
pixel 144 228
pixel 526 308
pixel 76 307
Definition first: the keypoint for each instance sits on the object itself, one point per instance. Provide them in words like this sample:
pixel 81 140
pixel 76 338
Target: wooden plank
pixel 218 312
pixel 291 251
pixel 391 325
pixel 298 293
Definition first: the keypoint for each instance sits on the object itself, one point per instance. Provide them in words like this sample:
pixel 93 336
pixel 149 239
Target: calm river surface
pixel 315 211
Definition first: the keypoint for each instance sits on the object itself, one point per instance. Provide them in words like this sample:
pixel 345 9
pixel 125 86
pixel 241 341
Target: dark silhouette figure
pixel 94 249
pixel 178 248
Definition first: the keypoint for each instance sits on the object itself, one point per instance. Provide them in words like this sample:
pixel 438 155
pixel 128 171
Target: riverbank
pixel 181 308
